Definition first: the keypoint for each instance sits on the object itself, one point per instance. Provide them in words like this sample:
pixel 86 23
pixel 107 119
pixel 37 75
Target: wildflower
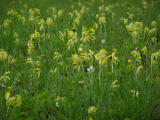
pixel 35 35
pixel 92 110
pixel 11 60
pixel 154 58
pixel 135 29
pixel 3 55
pixel 9 88
pixel 6 23
pixel 96 26
pixel 81 82
pixel 7 95
pixel 101 9
pixel 18 101
pixel 85 56
pixel 114 84
pixel 136 55
pixel 14 101
pixel 57 56
pixel 91 52
pixel 57 104
pixel 54 10
pixel 135 93
pixel 144 50
pixel 146 30
pixel 53 71
pixel 102 20
pixel 124 20
pixel 154 39
pixel 60 13
pixel 103 41
pixel 42 24
pixel 139 69
pixel 15 35
pixel 59 100
pixel 49 21
pixel 129 60
pixel 90 69
pixel 107 9
pixel 90 118
pixel 76 59
pixel 31 47
pixel 87 35
pixel 153 31
pixel 29 60
pixel 72 38
pixel 101 56
pixel 80 49
pixel 154 23
pixel 131 16
pixel 114 58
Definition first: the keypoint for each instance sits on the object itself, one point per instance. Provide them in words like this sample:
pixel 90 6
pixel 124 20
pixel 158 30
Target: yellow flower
pixel 60 13
pixel 136 55
pixel 154 39
pixel 102 20
pixel 54 10
pixel 11 60
pixel 131 16
pixel 154 23
pixel 139 69
pixel 31 46
pixel 135 93
pixel 29 60
pixel 49 21
pixel 144 50
pixel 7 95
pixel 129 60
pixel 85 56
pixel 90 118
pixel 114 84
pixel 153 31
pixel 58 98
pixel 9 88
pixel 92 110
pixel 76 59
pixel 3 55
pixel 146 30
pixel 101 56
pixel 53 71
pixel 18 101
pixel 80 49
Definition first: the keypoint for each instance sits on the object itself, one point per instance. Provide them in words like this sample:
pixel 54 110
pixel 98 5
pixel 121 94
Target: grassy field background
pixel 79 60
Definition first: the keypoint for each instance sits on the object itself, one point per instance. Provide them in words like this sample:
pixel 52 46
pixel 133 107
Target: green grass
pixel 58 86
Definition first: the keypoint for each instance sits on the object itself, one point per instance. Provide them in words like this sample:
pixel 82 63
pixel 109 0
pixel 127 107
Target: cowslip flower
pixel 76 59
pixel 135 93
pixel 49 21
pixel 139 69
pixel 101 56
pixel 102 20
pixel 3 55
pixel 92 110
pixel 7 95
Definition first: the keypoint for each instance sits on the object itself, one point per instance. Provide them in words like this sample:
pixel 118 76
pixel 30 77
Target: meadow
pixel 80 60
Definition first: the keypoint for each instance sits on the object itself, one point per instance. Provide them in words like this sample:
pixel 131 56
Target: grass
pixel 79 60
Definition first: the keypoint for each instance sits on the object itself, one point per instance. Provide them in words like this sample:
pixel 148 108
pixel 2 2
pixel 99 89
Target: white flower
pixel 57 104
pixel 90 69
pixel 103 41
